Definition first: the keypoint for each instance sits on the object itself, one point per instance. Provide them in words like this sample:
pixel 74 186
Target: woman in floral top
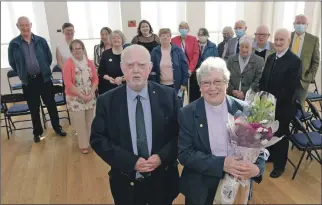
pixel 81 81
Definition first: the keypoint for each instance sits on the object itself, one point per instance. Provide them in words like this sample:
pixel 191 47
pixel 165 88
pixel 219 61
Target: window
pixel 221 14
pixel 291 9
pixel 164 14
pixel 89 18
pixel 10 12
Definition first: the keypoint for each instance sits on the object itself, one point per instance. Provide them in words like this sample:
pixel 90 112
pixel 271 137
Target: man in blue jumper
pixel 29 55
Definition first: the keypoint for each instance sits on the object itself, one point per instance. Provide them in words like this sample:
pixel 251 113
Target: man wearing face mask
pixel 227 34
pixel 190 47
pixel 233 43
pixel 306 47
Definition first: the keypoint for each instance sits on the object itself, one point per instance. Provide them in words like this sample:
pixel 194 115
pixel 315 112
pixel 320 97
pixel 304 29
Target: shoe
pixel 60 132
pixel 276 173
pixel 36 138
pixel 84 151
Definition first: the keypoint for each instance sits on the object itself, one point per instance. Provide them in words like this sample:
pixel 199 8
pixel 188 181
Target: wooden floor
pixel 54 172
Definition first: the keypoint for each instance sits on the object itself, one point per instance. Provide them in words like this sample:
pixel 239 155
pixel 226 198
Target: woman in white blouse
pixel 62 51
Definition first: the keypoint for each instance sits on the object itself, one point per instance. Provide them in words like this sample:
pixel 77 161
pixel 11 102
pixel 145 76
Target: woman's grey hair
pixel 210 64
pixel 119 33
pixel 246 39
pixel 183 23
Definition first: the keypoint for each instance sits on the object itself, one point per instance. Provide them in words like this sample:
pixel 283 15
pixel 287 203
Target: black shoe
pixel 36 138
pixel 60 132
pixel 276 173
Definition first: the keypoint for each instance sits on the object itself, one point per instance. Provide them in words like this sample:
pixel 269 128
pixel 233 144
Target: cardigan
pixel 69 75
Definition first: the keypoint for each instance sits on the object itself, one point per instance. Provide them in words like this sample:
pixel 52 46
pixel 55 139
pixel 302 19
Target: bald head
pixel 262 29
pixel 24 25
pixel 282 40
pixel 301 18
pixel 136 66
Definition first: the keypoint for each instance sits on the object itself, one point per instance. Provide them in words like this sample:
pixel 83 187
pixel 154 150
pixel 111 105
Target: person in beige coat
pixel 306 47
pixel 262 46
pixel 245 69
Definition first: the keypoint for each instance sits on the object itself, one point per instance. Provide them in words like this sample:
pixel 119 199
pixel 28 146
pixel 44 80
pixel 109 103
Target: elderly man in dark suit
pixel 281 77
pixel 204 137
pixel 245 69
pixel 135 131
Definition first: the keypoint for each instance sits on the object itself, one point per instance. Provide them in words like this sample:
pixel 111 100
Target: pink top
pixel 166 70
pixel 217 118
pixel 69 75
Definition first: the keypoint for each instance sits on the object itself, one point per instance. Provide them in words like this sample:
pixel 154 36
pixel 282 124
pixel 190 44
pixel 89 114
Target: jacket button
pixel 132 183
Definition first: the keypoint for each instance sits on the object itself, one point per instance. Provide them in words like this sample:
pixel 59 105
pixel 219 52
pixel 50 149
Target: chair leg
pixel 10 121
pixel 309 155
pixel 43 117
pixel 68 115
pixel 7 127
pixel 298 165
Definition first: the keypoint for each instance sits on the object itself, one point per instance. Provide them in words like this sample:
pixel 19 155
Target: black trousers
pixel 35 89
pixel 194 90
pixel 279 151
pixel 154 190
pixel 209 200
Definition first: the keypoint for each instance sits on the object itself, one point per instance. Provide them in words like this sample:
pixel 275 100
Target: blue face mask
pixel 300 28
pixel 239 32
pixel 183 32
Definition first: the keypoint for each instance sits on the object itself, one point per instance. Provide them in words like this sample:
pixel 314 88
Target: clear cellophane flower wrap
pixel 251 131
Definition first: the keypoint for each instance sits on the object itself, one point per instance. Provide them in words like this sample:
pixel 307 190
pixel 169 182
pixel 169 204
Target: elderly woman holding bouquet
pixel 204 139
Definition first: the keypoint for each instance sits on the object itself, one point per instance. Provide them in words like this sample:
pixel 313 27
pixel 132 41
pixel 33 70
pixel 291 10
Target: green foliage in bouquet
pixel 262 109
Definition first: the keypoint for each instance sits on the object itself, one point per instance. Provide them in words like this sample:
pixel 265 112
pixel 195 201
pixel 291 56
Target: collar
pixel 266 47
pixel 301 36
pixel 32 37
pixel 219 107
pixel 132 94
pixel 281 54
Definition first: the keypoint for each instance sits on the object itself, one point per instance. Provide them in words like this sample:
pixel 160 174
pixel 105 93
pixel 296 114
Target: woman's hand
pixel 87 98
pixel 118 80
pixel 250 170
pixel 182 88
pixel 240 169
pixel 112 80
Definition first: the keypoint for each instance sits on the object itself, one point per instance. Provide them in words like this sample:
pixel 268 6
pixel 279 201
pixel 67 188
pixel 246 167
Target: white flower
pixel 257 136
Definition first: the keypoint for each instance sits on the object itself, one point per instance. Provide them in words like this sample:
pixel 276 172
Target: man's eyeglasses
pixel 217 83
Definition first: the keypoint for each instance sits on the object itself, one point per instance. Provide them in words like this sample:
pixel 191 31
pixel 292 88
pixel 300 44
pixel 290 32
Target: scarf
pixel 81 64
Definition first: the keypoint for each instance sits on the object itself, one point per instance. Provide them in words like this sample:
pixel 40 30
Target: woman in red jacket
pixel 190 46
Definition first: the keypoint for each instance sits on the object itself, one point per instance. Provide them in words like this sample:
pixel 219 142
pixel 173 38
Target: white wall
pixel 254 13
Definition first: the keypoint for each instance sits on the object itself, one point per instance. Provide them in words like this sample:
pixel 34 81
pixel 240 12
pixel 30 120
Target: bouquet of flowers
pixel 251 131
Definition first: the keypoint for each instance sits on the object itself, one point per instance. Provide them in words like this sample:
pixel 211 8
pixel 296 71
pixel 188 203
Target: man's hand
pixel 241 95
pixel 142 166
pixel 182 88
pixel 235 93
pixel 154 161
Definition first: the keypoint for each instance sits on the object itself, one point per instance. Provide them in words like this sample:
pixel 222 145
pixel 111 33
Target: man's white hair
pixel 136 47
pixel 301 15
pixel 284 31
pixel 241 22
pixel 246 39
pixel 22 18
pixel 264 27
pixel 229 29
pixel 210 64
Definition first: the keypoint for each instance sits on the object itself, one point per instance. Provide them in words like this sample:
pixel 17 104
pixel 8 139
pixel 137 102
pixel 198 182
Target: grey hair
pixel 183 23
pixel 135 47
pixel 242 22
pixel 229 29
pixel 285 31
pixel 301 15
pixel 210 64
pixel 246 39
pixel 21 18
pixel 264 27
pixel 119 33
